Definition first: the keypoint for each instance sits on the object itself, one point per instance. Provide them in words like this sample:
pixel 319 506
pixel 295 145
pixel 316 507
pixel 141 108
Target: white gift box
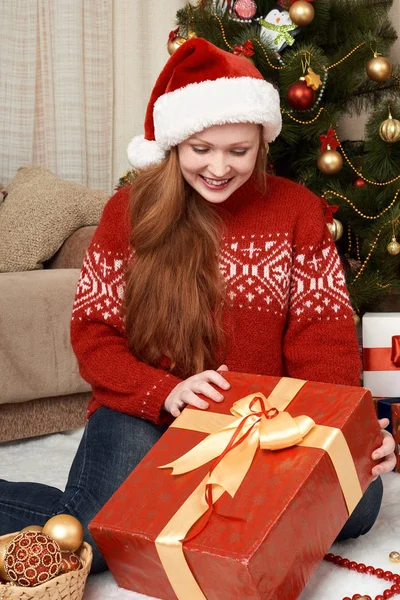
pixel 381 353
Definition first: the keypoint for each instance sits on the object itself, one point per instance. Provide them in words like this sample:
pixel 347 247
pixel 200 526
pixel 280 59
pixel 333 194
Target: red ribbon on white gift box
pixel 383 359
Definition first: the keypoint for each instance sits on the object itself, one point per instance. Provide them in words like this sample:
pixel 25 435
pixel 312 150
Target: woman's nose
pixel 219 166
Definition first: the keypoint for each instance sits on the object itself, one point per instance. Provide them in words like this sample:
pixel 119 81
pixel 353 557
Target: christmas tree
pixel 327 58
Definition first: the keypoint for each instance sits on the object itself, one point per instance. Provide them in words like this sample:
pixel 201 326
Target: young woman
pixel 204 264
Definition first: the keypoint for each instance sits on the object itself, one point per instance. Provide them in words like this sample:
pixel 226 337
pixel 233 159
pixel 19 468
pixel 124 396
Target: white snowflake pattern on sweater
pixel 101 286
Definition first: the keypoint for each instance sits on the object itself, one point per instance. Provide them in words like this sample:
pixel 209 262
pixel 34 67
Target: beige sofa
pixel 41 390
pixel 46 225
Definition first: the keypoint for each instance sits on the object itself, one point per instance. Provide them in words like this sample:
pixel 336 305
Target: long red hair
pixel 175 293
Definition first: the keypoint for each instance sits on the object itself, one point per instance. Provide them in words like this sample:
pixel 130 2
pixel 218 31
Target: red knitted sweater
pixel 289 312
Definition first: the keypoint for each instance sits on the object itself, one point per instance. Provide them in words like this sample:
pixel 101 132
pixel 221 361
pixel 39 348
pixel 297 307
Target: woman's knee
pixel 365 514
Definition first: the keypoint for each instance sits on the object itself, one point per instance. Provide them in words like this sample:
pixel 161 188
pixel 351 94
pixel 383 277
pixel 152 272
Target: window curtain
pixel 56 88
pixel 141 31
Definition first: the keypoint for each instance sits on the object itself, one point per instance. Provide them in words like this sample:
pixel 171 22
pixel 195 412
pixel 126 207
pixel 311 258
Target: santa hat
pixel 201 86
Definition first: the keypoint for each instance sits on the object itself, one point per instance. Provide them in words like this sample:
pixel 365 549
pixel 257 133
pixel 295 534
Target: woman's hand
pixel 385 451
pixel 185 392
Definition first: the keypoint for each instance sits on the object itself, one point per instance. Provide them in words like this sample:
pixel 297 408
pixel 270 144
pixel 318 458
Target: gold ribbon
pixel 256 422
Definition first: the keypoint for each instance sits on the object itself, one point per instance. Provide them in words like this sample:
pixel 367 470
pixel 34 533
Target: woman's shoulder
pixel 297 208
pixel 115 221
pixel 118 203
pixel 291 193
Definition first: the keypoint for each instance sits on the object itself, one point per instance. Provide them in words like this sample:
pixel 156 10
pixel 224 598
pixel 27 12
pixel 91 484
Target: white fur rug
pixel 47 459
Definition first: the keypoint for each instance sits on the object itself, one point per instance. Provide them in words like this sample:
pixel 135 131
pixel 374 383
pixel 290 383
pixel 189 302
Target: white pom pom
pixel 144 153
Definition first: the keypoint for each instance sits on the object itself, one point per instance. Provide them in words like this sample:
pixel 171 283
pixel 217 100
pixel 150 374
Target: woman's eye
pixel 200 150
pixel 239 152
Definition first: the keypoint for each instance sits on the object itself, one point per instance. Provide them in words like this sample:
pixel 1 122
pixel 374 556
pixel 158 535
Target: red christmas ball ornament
pixel 300 96
pixel 70 562
pixel 245 9
pixel 32 558
pixel 359 182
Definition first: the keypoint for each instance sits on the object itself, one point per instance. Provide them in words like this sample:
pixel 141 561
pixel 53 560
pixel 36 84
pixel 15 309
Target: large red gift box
pixel 286 513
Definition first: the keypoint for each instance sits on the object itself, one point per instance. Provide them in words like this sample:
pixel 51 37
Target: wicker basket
pixel 69 586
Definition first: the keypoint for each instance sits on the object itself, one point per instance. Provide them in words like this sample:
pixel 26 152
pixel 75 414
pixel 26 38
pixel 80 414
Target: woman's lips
pixel 215 184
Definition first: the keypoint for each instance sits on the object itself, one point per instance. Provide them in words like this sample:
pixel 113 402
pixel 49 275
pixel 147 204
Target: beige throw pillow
pixel 39 213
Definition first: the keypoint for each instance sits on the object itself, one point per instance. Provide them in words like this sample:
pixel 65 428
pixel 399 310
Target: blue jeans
pixel 112 445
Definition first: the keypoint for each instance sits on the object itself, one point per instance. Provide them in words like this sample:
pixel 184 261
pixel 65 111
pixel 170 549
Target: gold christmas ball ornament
pixel 66 531
pixel 394 557
pixel 32 528
pixel 336 229
pixel 389 130
pixel 356 319
pixel 379 68
pixel 330 161
pixel 191 35
pixel 175 43
pixel 393 247
pixel 4 542
pixel 301 13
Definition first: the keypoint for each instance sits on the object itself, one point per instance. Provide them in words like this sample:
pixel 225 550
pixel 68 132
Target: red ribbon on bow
pixel 328 139
pixel 395 356
pixel 235 440
pixel 329 210
pixel 246 50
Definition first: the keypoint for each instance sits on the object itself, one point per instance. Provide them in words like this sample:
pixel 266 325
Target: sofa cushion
pixel 36 357
pixel 39 212
pixel 73 250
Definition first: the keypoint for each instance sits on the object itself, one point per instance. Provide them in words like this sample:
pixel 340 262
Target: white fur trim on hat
pixel 144 153
pixel 188 110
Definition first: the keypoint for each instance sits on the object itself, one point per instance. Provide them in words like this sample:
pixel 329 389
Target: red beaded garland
pixel 361 568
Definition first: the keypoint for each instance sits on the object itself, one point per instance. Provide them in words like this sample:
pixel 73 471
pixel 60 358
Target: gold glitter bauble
pixel 336 229
pixel 356 319
pixel 301 13
pixel 394 557
pixel 32 558
pixel 175 43
pixel 66 531
pixel 389 130
pixel 191 35
pixel 393 247
pixel 4 541
pixel 379 68
pixel 330 162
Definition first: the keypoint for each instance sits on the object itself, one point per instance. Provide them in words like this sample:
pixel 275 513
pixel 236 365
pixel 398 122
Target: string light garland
pixel 372 248
pixel 222 31
pixel 358 172
pixel 344 57
pixel 358 248
pixel 286 112
pixel 294 56
pixel 371 218
pixel 349 240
